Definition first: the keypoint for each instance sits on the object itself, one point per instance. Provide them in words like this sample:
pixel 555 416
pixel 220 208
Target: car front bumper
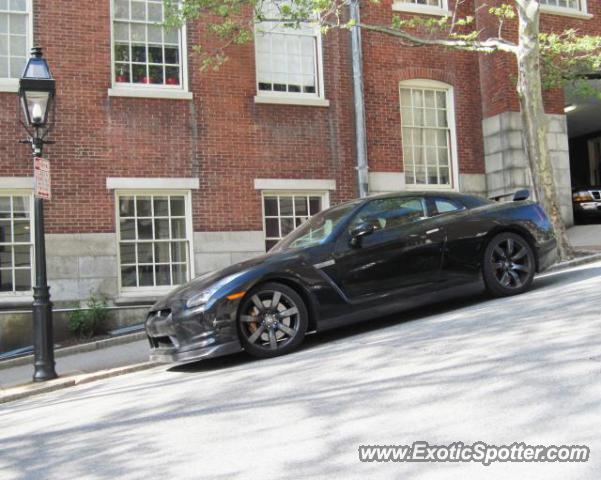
pixel 588 209
pixel 181 335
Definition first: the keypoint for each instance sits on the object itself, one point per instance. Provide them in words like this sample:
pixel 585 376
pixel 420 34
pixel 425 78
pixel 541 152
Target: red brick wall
pixel 223 137
pixel 387 62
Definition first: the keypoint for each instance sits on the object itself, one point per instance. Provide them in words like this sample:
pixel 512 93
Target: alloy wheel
pixel 511 263
pixel 270 320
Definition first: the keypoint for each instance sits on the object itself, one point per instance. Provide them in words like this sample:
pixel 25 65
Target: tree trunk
pixel 534 121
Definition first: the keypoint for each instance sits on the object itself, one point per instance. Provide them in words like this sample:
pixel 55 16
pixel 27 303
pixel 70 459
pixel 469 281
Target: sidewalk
pixel 585 237
pixel 78 367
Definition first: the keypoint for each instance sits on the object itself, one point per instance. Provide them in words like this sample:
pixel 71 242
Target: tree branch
pixel 486 46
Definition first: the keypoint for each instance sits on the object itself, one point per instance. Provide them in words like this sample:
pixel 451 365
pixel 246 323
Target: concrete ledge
pixel 31 389
pixel 592 258
pixel 84 347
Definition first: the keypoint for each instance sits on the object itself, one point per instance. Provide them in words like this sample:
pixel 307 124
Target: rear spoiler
pixel 518 196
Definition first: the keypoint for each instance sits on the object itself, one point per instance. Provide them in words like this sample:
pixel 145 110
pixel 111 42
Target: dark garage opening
pixel 584 132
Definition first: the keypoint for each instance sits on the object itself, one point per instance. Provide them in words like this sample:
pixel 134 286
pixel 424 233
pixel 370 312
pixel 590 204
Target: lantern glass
pixel 36 105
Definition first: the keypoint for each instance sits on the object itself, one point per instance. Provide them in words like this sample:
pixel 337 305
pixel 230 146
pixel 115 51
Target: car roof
pixel 420 193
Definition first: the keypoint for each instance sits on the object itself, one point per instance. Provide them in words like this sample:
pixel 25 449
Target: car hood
pixel 187 290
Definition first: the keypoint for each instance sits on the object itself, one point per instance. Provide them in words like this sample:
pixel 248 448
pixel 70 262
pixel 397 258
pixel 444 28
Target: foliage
pixel 85 323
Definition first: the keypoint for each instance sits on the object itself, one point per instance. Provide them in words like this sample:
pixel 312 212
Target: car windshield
pixel 317 229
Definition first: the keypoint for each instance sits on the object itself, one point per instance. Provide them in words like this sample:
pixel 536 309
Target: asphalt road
pixel 501 371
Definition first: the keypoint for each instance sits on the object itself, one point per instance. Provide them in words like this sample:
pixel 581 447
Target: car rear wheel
pixel 509 265
pixel 272 320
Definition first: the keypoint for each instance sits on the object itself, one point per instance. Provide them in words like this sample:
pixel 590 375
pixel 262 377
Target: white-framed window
pixel 145 55
pixel 289 60
pixel 426 7
pixel 15 41
pixel 154 231
pixel 16 243
pixel 428 134
pixel 284 211
pixel 565 7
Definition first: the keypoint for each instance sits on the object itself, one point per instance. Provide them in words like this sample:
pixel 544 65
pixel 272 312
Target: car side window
pixel 446 205
pixel 387 213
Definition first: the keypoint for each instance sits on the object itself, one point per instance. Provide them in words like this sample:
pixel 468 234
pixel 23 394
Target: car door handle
pixel 434 230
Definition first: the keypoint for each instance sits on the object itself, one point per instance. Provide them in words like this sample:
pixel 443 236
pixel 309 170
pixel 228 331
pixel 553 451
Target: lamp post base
pixel 43 335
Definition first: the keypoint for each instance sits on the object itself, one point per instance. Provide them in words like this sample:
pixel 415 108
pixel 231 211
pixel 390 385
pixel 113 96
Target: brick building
pixel 161 172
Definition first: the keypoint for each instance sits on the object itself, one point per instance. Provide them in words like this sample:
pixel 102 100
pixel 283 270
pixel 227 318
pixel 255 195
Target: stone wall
pixel 506 164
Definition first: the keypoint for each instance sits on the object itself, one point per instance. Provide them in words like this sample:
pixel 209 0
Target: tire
pixel 509 265
pixel 264 332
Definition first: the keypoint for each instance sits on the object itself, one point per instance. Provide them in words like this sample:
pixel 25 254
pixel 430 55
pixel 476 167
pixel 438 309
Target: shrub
pixel 85 323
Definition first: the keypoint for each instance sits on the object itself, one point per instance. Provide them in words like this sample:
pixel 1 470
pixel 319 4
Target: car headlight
pixel 205 296
pixel 582 196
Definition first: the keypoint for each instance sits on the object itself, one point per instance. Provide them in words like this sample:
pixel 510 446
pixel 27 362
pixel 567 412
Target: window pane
pixel 163 274
pixel 271 206
pixel 22 255
pixel 272 228
pixel 285 205
pixel 23 280
pixel 180 274
pixel 21 231
pixel 300 206
pixel 145 252
pixel 315 205
pixel 161 252
pixel 177 207
pixel 143 206
pixel 127 229
pixel 122 9
pixel 145 229
pixel 6 281
pixel 161 228
pixel 5 231
pixel 287 226
pixel 128 276
pixel 128 253
pixel 146 276
pixel 126 207
pixel 178 228
pixel 161 206
pixel 6 256
pixel 178 251
pixel 18 24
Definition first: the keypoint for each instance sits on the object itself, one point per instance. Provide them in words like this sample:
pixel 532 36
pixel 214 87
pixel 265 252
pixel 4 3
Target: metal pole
pixel 360 131
pixel 43 338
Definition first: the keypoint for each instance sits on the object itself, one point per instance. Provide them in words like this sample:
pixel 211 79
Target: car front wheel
pixel 509 265
pixel 272 320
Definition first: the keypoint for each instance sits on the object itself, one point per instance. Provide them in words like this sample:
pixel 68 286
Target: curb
pixel 595 257
pixel 31 389
pixel 84 347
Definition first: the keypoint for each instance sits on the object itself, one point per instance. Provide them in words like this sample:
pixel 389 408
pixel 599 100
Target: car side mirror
pixel 360 231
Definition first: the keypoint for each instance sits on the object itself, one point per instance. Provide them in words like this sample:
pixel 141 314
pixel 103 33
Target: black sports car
pixel 355 261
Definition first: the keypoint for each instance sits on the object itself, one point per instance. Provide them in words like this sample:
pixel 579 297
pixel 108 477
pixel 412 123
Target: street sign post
pixel 41 168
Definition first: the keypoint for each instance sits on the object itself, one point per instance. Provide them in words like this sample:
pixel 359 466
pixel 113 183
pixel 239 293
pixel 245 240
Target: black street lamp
pixel 36 93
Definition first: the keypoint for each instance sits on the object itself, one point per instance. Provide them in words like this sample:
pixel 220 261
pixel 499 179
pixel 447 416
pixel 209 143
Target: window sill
pixel 420 9
pixel 130 299
pixel 283 100
pixel 16 302
pixel 150 93
pixel 9 85
pixel 565 12
pixel 425 187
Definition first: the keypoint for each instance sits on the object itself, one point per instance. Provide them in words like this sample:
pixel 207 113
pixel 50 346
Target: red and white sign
pixel 41 171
